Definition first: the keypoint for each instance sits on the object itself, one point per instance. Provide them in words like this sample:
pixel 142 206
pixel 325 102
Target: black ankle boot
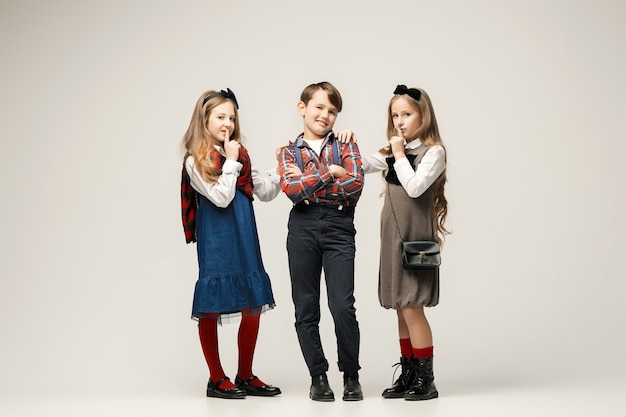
pixel 320 390
pixel 351 387
pixel 399 387
pixel 422 380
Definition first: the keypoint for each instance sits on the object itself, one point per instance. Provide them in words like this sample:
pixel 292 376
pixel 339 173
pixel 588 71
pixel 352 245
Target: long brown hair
pixel 197 141
pixel 428 134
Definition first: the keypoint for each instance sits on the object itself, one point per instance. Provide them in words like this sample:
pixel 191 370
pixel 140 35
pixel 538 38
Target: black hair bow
pixel 411 92
pixel 226 94
pixel 229 94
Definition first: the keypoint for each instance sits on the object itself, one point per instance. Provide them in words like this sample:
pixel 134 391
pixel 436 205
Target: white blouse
pixel 417 181
pixel 266 186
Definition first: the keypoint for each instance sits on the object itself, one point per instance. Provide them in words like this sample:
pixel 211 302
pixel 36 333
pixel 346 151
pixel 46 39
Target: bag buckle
pixel 422 255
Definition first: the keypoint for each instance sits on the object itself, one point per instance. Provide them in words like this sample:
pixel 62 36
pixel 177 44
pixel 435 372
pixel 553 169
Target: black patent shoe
pixel 214 390
pixel 351 387
pixel 401 384
pixel 320 390
pixel 262 391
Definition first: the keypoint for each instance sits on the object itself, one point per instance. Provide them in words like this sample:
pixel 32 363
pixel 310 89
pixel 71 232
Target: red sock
pixel 248 332
pixel 423 353
pixel 207 328
pixel 405 347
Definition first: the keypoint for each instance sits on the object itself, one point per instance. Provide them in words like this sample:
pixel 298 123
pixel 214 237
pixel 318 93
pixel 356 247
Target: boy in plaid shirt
pixel 323 178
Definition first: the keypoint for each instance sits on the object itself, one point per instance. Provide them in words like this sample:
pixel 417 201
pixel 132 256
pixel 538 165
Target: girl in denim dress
pixel 217 189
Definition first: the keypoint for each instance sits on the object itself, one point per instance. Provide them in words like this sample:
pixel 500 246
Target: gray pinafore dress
pixel 397 287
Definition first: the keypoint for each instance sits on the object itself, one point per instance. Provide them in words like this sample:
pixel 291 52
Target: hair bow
pixel 411 92
pixel 229 94
pixel 226 94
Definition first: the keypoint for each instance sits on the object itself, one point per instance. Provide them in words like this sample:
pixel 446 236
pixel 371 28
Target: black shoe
pixel 351 387
pixel 213 390
pixel 262 391
pixel 320 390
pixel 401 384
pixel 422 384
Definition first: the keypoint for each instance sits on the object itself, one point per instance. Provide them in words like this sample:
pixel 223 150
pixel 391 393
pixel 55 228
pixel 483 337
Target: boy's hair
pixel 333 94
pixel 197 141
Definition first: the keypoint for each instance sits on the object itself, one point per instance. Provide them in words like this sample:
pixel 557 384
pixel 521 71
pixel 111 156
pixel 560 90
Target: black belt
pixel 309 203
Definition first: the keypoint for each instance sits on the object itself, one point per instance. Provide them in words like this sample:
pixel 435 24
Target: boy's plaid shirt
pixel 317 184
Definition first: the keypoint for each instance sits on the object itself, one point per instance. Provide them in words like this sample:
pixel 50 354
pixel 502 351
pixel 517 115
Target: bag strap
pixel 394 215
pixel 395 219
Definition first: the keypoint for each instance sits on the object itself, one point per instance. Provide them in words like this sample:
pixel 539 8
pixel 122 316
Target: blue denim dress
pixel 231 273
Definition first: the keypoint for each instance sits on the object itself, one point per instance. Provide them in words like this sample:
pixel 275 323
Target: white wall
pixel 96 280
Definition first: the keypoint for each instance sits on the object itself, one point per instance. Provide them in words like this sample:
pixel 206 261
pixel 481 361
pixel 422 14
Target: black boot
pixel 399 387
pixel 422 380
pixel 320 390
pixel 351 387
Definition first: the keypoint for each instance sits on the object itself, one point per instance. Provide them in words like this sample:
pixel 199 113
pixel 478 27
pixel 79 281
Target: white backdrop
pixel 96 280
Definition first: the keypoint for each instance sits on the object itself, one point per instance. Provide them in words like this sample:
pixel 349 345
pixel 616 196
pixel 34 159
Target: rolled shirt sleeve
pixel 266 184
pixel 374 163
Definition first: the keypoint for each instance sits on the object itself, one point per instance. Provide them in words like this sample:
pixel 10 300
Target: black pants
pixel 322 237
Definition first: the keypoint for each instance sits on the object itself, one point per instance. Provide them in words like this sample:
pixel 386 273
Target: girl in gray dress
pixel 414 165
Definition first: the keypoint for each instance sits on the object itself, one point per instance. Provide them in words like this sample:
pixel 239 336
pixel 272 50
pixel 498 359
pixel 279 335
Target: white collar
pixel 219 149
pixel 414 144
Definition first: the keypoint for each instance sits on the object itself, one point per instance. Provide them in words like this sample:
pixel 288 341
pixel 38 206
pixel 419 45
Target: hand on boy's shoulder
pixel 279 150
pixel 345 136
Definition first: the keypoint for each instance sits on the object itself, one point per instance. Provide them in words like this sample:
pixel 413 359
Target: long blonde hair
pixel 197 140
pixel 428 134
